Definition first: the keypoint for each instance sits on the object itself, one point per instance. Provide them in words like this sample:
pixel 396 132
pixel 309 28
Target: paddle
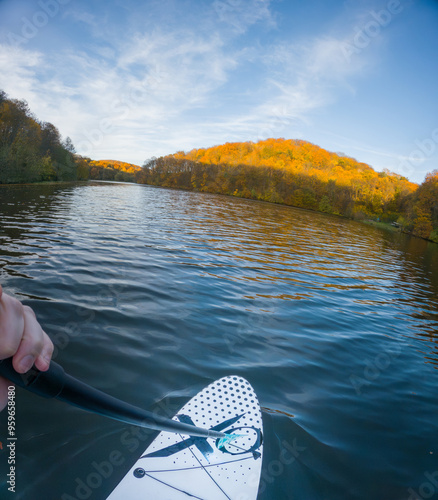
pixel 55 383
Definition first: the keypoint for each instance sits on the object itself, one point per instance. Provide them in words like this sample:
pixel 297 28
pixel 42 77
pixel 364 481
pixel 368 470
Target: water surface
pixel 150 294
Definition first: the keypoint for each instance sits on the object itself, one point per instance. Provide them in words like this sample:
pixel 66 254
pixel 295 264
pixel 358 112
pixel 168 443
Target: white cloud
pixel 301 78
pixel 239 15
pixel 82 16
pixel 178 69
pixel 100 102
pixel 18 69
pixel 118 92
pixel 161 89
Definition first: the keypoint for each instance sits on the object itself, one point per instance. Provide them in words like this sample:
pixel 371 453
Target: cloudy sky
pixel 129 80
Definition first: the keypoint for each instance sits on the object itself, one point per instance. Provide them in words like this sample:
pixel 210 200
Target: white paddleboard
pixel 177 467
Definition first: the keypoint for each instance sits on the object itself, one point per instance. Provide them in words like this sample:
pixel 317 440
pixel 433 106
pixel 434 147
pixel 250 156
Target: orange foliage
pixel 293 172
pixel 374 190
pixel 423 213
pixel 116 165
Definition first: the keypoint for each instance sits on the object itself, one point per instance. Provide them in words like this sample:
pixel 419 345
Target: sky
pixel 129 80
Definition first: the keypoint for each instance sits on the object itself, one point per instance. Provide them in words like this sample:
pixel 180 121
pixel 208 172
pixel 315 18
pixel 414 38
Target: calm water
pixel 150 294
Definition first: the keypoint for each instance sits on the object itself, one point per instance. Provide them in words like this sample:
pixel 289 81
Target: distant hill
pixel 107 170
pixel 300 174
pixel 116 165
pixel 292 172
pixel 34 151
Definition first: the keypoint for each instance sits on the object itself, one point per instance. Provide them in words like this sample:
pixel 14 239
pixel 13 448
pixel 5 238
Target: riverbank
pixel 387 226
pixel 395 229
pixel 383 225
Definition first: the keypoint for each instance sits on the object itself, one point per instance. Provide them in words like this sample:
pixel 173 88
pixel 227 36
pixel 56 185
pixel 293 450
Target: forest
pixel 301 174
pixel 291 172
pixel 105 170
pixel 33 151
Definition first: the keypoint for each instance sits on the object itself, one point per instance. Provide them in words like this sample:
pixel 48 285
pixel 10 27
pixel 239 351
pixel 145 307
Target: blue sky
pixel 129 80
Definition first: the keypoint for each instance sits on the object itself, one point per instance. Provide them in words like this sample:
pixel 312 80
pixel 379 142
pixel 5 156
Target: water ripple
pixel 150 294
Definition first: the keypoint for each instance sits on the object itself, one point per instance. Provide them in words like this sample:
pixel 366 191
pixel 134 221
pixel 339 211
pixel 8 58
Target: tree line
pixel 105 170
pixel 291 172
pixel 301 174
pixel 31 150
pixel 34 151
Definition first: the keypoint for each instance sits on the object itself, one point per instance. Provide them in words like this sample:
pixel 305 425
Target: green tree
pixel 29 150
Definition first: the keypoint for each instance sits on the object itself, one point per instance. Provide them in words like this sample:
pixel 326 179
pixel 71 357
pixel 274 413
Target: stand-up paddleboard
pixel 177 467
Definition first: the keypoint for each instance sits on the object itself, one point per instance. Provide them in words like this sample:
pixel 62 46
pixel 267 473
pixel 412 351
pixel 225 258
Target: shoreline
pixel 387 226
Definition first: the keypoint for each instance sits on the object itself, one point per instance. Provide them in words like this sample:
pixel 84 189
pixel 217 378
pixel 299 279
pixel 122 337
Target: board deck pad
pixel 179 467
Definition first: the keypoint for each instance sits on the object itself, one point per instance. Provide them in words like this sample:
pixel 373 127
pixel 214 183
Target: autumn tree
pixel 293 172
pixel 422 217
pixel 31 150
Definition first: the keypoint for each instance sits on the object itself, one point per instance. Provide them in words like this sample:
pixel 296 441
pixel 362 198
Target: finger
pixel 42 362
pixel 32 342
pixel 4 384
pixel 11 325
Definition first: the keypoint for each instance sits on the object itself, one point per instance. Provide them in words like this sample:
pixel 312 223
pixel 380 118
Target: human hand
pixel 22 338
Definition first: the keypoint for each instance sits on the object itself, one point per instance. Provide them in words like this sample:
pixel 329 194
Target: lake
pixel 150 294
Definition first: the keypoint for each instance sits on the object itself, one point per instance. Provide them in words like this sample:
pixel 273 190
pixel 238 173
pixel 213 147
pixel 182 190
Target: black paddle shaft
pixel 47 384
pixel 55 383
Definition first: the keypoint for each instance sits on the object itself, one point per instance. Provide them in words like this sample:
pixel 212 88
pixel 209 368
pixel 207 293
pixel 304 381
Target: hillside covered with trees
pixel 421 218
pixel 301 174
pixel 106 170
pixel 31 150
